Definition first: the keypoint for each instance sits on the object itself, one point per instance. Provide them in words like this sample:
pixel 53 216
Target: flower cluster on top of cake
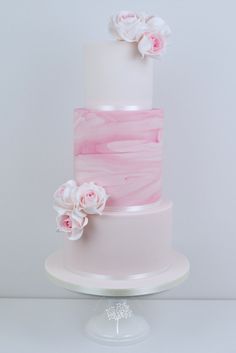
pixel 74 203
pixel 149 32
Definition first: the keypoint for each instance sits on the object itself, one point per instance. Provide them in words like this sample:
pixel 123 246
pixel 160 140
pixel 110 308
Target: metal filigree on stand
pixel 118 311
pixel 117 323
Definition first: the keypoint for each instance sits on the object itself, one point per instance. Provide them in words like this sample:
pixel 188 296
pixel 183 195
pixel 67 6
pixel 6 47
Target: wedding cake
pixel 116 222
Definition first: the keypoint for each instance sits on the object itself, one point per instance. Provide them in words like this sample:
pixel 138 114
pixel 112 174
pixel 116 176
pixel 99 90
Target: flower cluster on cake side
pixel 149 32
pixel 74 203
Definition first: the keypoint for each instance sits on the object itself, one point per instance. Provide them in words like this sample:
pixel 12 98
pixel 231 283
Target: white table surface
pixel 52 325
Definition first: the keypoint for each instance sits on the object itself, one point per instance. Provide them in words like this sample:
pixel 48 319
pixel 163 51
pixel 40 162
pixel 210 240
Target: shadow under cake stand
pixel 102 327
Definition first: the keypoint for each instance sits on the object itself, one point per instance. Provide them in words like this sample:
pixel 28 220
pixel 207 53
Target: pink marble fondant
pixel 121 151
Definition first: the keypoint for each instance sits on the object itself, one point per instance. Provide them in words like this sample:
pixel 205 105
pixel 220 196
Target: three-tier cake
pixel 117 224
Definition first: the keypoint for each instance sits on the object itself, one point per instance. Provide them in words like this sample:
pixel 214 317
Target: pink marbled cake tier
pixel 121 151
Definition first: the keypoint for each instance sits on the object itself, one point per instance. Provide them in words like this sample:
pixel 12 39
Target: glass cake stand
pixel 115 320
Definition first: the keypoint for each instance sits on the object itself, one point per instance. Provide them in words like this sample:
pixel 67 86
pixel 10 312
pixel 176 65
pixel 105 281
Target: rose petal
pixel 60 210
pixel 144 45
pixel 76 234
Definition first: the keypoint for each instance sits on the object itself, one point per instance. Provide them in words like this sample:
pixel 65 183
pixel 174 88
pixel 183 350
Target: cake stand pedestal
pixel 117 323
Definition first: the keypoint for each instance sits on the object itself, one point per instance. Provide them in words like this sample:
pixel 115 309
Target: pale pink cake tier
pixel 121 244
pixel 121 151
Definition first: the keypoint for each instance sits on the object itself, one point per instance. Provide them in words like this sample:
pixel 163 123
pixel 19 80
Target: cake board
pixel 174 275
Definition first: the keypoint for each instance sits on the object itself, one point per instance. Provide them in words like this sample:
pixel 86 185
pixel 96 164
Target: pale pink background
pixel 41 84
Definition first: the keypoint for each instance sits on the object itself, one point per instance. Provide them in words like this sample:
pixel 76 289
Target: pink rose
pixel 91 198
pixel 152 44
pixel 154 39
pixel 127 25
pixel 73 203
pixel 64 223
pixel 64 197
pixel 72 223
pixel 151 32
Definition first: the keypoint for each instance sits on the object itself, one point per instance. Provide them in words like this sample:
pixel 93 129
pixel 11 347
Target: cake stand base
pixel 117 324
pixel 171 277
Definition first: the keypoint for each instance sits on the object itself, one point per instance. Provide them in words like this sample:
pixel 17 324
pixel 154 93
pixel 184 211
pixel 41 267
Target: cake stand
pixel 117 322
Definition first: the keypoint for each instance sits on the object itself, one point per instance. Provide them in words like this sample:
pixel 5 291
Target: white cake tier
pixel 117 77
pixel 123 245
